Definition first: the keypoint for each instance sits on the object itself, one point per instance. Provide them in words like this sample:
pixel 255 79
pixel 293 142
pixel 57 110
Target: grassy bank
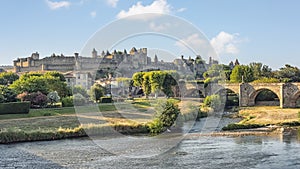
pixel 59 123
pixel 261 116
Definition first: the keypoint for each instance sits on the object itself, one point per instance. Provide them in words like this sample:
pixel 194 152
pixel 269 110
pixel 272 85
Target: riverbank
pixel 270 117
pixel 104 119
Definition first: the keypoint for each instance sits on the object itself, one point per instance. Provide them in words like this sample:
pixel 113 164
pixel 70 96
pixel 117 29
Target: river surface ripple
pixel 281 151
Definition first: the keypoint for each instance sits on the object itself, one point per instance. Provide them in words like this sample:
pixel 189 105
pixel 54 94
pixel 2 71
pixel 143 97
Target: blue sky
pixel 252 31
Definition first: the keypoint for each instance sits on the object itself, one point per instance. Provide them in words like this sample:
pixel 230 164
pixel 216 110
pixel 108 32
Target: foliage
pixel 14 108
pixel 154 81
pixel 7 78
pixel 78 99
pixel 53 97
pixel 167 112
pixel 7 94
pixel 36 99
pixel 138 78
pixel 155 127
pixel 67 101
pixel 44 83
pixel 241 73
pixel 60 76
pixel 288 74
pixel 165 116
pixel 218 72
pixel 213 101
pixel 80 90
pixel 96 92
pixel 146 84
pixel 266 80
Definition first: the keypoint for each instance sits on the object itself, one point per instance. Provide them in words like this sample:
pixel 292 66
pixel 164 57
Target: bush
pixel 155 127
pixel 214 102
pixel 79 100
pixel 7 95
pixel 106 100
pixel 67 101
pixel 37 99
pixel 15 108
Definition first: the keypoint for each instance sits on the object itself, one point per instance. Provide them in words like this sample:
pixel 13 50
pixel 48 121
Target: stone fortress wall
pixel 125 62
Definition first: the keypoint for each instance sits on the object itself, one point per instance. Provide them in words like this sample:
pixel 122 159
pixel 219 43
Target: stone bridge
pixel 288 93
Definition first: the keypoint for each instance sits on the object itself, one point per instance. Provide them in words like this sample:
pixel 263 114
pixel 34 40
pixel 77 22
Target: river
pixel 279 151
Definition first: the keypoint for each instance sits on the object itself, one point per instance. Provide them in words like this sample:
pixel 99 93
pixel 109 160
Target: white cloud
pixel 112 3
pixel 226 43
pixel 56 5
pixel 192 42
pixel 181 10
pixel 158 6
pixel 93 14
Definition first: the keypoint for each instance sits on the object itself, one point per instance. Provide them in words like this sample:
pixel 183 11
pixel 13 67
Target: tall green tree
pixel 146 84
pixel 156 80
pixel 241 73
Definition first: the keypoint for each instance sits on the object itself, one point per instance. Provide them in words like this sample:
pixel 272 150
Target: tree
pixel 260 70
pixel 168 84
pixel 156 80
pixel 257 69
pixel 96 92
pixel 55 74
pixel 241 73
pixel 288 74
pixel 7 78
pixel 31 84
pixel 138 78
pixel 34 82
pixel 218 72
pixel 146 84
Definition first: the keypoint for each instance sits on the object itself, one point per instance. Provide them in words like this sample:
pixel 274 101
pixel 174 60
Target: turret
pixel 94 53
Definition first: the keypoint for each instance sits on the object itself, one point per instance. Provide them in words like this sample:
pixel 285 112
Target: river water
pixel 279 151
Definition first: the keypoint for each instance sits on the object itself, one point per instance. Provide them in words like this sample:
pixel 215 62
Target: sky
pixel 251 31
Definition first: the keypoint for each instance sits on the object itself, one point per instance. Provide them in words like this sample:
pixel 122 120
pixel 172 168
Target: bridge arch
pixel 295 99
pixel 272 100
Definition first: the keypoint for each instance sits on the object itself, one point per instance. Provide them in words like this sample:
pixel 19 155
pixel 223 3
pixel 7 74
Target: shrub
pixel 53 97
pixel 155 127
pixel 14 108
pixel 7 94
pixel 79 100
pixel 37 99
pixel 67 101
pixel 214 102
pixel 167 113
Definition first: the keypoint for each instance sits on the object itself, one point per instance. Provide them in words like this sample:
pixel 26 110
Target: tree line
pixel 253 72
pixel 45 89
